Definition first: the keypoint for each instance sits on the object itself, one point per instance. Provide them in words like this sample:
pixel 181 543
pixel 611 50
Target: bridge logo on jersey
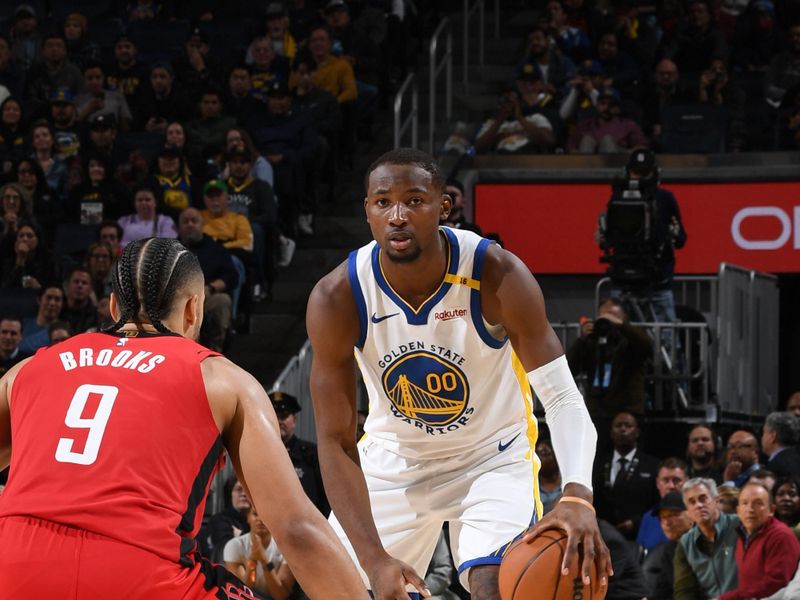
pixel 427 389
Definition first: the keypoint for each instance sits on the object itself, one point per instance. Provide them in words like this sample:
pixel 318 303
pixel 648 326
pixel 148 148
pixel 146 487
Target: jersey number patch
pixel 96 424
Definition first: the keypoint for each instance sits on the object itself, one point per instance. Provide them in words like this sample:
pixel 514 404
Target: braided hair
pixel 146 277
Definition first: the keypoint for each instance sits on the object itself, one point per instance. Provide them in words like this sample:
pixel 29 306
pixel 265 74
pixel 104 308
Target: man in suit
pixel 624 483
pixel 779 440
pixel 742 458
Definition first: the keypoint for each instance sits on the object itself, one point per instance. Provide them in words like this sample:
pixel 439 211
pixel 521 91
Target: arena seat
pixel 693 129
pixel 88 8
pixel 148 142
pixel 159 40
pixel 70 243
pixel 20 302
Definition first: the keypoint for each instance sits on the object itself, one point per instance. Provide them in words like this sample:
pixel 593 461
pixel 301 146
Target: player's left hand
pixel 583 537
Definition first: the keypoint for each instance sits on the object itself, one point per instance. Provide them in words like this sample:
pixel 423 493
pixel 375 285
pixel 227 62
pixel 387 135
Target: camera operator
pixel 609 361
pixel 653 258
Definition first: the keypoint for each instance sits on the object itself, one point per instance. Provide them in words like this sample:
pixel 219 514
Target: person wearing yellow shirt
pixel 230 229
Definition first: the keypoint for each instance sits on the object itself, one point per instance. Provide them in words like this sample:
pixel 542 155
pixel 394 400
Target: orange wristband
pixel 577 500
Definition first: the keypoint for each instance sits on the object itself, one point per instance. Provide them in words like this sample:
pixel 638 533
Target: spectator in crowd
pixel 609 360
pixel 701 452
pixel 198 68
pixel 28 263
pixel 608 132
pixel 43 142
pixel 556 69
pixel 779 443
pixel 67 130
pixel 206 134
pixel 12 76
pixel 742 458
pixel 757 37
pixel 239 99
pixel 303 454
pixel 10 337
pixel 266 67
pixel 697 42
pixel 767 552
pixel 99 259
pixel 170 175
pixel 146 221
pixel 230 229
pixel 717 89
pixel 175 137
pixel 100 196
pixel 333 74
pixel 237 137
pixel 231 522
pixel 624 479
pixel 667 89
pixel 671 476
pixel 103 139
pixel 510 131
pixel 793 404
pixel 787 503
pixel 37 333
pixel 572 41
pixel 110 232
pixel 783 72
pixel 59 331
pixel 621 71
pixel 16 207
pixel 25 36
pixel 97 99
pixel 47 208
pixel 674 521
pixel 456 217
pixel 79 310
pixel 628 581
pixel 763 476
pixel 53 72
pixel 319 104
pixel 12 133
pixel 80 49
pixel 549 475
pixel 126 74
pixel 255 559
pixel 584 89
pixel 104 319
pixel 789 129
pixel 728 499
pixel 221 278
pixel 283 41
pixel 703 565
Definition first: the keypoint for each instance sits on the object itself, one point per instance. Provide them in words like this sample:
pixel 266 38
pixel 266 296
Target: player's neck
pixel 417 280
pixel 138 327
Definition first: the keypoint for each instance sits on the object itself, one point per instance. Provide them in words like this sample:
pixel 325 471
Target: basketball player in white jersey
pixel 448 331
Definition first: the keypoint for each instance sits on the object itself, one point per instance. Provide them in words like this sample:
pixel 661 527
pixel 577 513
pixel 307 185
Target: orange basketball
pixel 533 570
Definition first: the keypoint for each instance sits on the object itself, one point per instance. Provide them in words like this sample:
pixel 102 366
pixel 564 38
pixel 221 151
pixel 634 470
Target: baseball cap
pixel 641 161
pixel 162 64
pixel 529 72
pixel 103 121
pixel 335 5
pixel 764 6
pixel 275 9
pixel 592 67
pixel 198 33
pixel 62 95
pixel 278 88
pixel 124 37
pixel 216 185
pixel 237 151
pixel 24 10
pixel 285 403
pixel 671 501
pixel 170 150
pixel 611 93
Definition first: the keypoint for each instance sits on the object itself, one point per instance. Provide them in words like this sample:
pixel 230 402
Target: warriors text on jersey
pixel 441 380
pixel 114 435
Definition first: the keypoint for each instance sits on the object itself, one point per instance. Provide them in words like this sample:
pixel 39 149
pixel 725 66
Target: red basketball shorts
pixel 40 559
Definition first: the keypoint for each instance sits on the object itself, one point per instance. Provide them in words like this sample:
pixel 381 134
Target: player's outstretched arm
pixel 6 384
pixel 250 431
pixel 511 296
pixel 333 328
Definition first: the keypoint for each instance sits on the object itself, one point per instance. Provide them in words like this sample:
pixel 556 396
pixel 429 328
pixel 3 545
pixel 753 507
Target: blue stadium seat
pixel 693 129
pixel 159 41
pixel 20 302
pixel 104 32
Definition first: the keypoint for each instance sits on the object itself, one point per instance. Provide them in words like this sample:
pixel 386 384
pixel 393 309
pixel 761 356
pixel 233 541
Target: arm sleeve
pixel 573 434
pixel 348 84
pixel 233 551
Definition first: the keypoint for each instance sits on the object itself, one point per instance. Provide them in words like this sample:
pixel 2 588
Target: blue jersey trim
pixel 358 296
pixel 412 595
pixel 483 560
pixel 475 299
pixel 419 316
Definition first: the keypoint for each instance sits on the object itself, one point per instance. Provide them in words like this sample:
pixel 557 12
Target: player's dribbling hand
pixel 390 577
pixel 580 524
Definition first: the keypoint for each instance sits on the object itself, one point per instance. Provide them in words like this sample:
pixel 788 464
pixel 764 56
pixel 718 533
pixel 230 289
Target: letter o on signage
pixel 761 211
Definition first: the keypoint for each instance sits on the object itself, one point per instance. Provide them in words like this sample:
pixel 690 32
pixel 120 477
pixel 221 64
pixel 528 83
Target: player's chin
pixel 403 256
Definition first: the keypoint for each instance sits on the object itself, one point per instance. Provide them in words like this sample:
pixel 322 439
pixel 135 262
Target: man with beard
pixel 625 480
pixel 607 132
pixel 701 452
pixel 303 454
pixel 79 310
pixel 742 458
pixel 67 130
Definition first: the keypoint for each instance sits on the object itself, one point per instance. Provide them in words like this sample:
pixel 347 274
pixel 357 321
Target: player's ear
pixel 191 312
pixel 447 205
pixel 113 307
pixel 366 213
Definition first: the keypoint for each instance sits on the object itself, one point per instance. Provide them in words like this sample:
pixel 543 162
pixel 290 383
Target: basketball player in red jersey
pixel 116 437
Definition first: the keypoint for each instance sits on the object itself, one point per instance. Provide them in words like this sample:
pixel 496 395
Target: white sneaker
pixel 304 224
pixel 286 251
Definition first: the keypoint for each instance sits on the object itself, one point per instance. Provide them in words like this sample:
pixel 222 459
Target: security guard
pixel 303 454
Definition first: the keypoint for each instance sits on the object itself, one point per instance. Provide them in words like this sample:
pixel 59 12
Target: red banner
pixel 551 226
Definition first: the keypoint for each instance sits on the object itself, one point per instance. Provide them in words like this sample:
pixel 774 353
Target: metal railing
pixel 436 67
pixel 401 125
pixel 468 12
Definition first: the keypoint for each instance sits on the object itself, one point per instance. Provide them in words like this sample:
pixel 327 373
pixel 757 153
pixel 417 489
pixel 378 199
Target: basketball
pixel 534 571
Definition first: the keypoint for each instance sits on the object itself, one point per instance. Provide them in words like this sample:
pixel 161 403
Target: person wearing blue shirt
pixel 671 476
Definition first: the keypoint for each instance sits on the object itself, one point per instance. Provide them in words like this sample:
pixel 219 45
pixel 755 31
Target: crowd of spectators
pixel 219 123
pixel 691 76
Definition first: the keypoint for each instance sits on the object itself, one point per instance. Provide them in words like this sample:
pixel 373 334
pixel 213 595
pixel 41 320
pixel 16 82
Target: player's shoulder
pixel 332 311
pixel 499 263
pixel 333 290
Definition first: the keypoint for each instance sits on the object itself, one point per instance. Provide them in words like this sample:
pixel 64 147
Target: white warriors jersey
pixel 440 379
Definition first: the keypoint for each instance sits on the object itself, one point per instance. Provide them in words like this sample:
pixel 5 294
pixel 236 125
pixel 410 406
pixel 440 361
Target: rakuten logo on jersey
pixel 446 315
pixel 788 227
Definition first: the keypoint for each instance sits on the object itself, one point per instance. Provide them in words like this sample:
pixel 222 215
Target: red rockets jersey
pixel 114 435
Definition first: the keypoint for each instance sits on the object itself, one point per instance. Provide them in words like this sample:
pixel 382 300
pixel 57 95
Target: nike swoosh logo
pixel 501 446
pixel 377 319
